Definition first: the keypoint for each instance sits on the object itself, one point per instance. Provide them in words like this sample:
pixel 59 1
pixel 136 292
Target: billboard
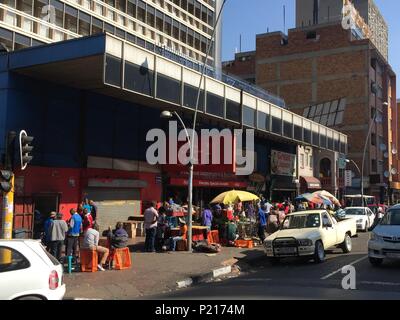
pixel 282 163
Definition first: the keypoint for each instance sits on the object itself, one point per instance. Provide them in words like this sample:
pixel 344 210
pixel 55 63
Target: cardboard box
pixel 140 232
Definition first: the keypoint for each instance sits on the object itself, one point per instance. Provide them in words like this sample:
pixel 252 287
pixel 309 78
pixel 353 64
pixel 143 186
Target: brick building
pixel 328 75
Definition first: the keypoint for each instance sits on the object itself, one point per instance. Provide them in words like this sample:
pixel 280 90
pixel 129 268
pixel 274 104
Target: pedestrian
pixel 162 225
pixel 38 225
pixel 93 209
pixel 262 223
pixel 86 205
pixel 46 230
pixel 182 235
pixel 118 237
pixel 91 241
pixel 58 230
pixel 87 220
pixel 150 224
pixel 206 218
pixel 75 228
pixel 80 211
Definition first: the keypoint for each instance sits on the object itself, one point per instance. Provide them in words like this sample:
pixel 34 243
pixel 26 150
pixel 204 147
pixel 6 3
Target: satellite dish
pixel 394 151
pixel 387 174
pixel 393 171
pixel 383 147
pixel 378 118
pixel 386 155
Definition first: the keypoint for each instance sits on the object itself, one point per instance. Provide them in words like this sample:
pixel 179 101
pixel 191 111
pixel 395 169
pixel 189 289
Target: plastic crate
pixel 122 258
pixel 89 260
pixel 244 243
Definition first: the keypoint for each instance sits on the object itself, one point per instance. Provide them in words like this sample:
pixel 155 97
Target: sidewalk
pixel 151 273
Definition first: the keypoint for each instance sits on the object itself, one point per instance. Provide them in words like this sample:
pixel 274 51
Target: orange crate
pixel 89 260
pixel 122 258
pixel 215 236
pixel 244 243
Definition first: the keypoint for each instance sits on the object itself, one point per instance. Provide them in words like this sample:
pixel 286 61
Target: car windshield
pixel 391 218
pixel 355 212
pixel 302 221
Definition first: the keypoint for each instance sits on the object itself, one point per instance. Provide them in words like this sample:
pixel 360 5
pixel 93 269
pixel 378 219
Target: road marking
pixel 340 269
pixel 378 283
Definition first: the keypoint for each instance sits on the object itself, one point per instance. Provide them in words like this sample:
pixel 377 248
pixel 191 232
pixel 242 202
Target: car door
pixel 371 216
pixel 328 232
pixel 14 274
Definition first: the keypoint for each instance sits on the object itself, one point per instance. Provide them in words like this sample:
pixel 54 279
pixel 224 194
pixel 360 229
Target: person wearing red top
pixel 87 220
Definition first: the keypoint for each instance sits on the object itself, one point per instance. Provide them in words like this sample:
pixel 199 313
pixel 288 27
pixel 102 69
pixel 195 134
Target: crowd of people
pixel 56 232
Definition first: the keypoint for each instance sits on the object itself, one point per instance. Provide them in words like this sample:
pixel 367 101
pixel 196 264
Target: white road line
pixel 339 270
pixel 378 283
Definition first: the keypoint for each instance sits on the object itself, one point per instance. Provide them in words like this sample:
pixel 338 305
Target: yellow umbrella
pixel 234 196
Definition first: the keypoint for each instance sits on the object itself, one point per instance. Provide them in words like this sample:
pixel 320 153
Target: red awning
pixel 311 182
pixel 208 183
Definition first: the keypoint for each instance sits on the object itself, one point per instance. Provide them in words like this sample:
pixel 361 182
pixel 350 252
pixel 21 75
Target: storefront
pixel 282 184
pixel 309 184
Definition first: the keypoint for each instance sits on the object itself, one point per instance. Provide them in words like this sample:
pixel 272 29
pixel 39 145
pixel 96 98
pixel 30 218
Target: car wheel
pixel 30 298
pixel 319 254
pixel 347 244
pixel 376 262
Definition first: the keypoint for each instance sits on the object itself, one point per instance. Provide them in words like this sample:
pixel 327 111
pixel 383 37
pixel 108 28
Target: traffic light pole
pixel 8 212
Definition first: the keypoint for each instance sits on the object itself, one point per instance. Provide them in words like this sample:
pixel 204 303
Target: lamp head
pixel 166 114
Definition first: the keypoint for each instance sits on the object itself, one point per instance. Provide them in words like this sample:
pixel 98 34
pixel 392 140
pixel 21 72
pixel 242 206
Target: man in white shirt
pixel 91 241
pixel 150 224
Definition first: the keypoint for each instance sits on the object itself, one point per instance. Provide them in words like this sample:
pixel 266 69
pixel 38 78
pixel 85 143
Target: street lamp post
pixel 165 114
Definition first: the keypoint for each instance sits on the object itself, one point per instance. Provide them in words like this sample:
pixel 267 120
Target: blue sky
pixel 251 17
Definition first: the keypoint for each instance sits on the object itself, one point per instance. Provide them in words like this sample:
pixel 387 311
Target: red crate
pixel 89 260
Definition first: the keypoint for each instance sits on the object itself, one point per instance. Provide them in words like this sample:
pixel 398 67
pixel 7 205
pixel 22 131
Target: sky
pixel 251 17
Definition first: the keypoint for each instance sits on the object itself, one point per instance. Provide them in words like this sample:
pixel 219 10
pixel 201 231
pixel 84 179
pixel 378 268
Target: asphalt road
pixel 299 279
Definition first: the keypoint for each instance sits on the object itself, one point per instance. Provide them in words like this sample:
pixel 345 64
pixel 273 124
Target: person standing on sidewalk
pixel 206 218
pixel 262 223
pixel 91 241
pixel 93 209
pixel 46 230
pixel 57 235
pixel 150 224
pixel 75 228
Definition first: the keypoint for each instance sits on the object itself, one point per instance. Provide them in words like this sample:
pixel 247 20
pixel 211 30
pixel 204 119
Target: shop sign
pixel 208 183
pixel 282 163
pixel 256 177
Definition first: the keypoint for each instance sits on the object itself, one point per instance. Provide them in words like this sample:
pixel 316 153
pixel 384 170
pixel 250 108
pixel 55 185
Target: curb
pixel 215 273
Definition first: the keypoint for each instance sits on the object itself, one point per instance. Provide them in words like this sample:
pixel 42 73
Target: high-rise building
pixel 312 12
pixel 181 26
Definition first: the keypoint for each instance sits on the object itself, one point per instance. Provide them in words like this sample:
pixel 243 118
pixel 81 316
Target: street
pixel 299 279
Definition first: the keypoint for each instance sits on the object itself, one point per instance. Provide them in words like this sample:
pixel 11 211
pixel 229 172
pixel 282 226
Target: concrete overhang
pixel 101 64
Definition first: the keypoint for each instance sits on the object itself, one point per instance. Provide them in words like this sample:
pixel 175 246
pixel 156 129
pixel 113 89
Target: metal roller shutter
pixel 114 205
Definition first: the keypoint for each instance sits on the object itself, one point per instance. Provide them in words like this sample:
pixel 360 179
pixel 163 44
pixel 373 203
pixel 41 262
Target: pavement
pixel 300 279
pixel 153 273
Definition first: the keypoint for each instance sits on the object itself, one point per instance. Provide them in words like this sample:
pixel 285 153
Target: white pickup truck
pixel 309 234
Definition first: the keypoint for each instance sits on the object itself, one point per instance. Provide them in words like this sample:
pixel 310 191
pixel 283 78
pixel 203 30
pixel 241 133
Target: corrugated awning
pixel 311 182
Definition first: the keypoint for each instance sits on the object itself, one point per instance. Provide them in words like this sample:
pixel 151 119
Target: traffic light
pixel 5 182
pixel 25 149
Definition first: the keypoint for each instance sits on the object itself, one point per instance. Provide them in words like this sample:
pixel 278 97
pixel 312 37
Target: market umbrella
pixel 234 196
pixel 328 195
pixel 310 197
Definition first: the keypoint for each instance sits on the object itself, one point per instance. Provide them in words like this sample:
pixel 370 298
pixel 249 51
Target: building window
pixel 311 35
pixel 151 16
pixel 71 19
pixel 97 26
pixel 131 8
pixel 6 37
pixel 233 110
pixel 190 97
pixel 288 129
pixel 249 116
pixel 373 139
pixel 215 105
pixel 168 89
pixel 277 125
pixel 263 121
pixel 113 70
pixel 139 78
pixel 159 21
pixel 298 133
pixel 141 11
pixel 168 25
pixel 374 166
pixel 84 24
pixel 328 114
pixel 175 29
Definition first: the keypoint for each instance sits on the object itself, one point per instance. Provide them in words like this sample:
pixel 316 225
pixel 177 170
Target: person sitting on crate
pixel 91 241
pixel 118 238
pixel 183 234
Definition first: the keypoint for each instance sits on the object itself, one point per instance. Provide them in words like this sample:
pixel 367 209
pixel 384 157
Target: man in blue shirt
pixel 75 228
pixel 262 222
pixel 207 218
pixel 46 229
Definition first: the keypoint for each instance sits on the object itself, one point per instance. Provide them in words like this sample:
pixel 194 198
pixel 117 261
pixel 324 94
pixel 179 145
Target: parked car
pixel 384 241
pixel 364 216
pixel 309 234
pixel 29 272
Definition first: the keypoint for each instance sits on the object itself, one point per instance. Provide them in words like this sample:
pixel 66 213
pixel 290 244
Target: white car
pixel 29 272
pixel 364 216
pixel 385 238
